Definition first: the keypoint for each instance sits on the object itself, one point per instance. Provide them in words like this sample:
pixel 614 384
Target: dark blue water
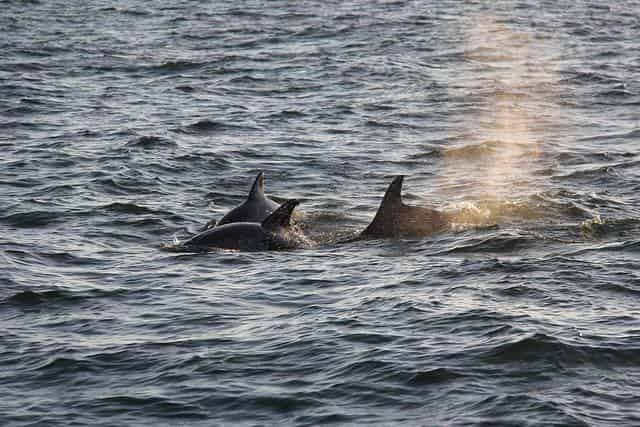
pixel 124 125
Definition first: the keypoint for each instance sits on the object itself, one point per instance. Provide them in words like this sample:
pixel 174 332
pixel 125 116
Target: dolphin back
pixel 257 189
pixel 255 209
pixel 384 223
pixel 245 236
pixel 394 219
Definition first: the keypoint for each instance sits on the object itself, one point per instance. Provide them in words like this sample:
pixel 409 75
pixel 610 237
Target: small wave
pixel 279 404
pixel 481 150
pixel 433 376
pixel 186 343
pixel 598 227
pixel 20 111
pixel 18 124
pixel 616 93
pixel 563 203
pixel 185 88
pixel 521 291
pixel 128 208
pixel 205 160
pixel 127 186
pixel 149 142
pixel 32 219
pixel 30 298
pixel 435 153
pixel 633 134
pixel 209 126
pixel 152 406
pixel 35 101
pixel 135 12
pixel 66 258
pixel 131 12
pixel 140 222
pixel 177 66
pixel 487 214
pixel 322 419
pixel 497 243
pixel 61 365
pixel 597 172
pixel 512 408
pixel 287 115
pixel 588 77
pixel 164 68
pixel 625 246
pixel 26 66
pixel 246 79
pixel 22 2
pixel 629 246
pixel 541 348
pixel 25 298
pixel 369 338
pixel 474 319
pixel 370 368
pixel 620 289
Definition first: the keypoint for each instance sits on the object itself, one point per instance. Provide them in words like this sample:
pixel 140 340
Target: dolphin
pixel 394 219
pixel 273 233
pixel 255 209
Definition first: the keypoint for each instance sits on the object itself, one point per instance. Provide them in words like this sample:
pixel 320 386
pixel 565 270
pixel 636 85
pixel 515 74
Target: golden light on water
pixel 493 156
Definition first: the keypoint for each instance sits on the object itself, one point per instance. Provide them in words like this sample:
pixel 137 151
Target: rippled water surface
pixel 126 125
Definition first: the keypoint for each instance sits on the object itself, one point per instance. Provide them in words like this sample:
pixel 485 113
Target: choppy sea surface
pixel 125 125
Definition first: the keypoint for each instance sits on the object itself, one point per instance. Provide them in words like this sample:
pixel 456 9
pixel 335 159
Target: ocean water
pixel 126 125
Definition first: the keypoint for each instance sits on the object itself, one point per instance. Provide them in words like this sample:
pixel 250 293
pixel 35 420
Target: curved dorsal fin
pixel 393 196
pixel 281 217
pixel 257 189
pixel 383 223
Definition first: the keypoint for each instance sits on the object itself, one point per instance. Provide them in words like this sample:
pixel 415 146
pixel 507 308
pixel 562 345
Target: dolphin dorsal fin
pixel 257 189
pixel 393 196
pixel 281 217
pixel 384 221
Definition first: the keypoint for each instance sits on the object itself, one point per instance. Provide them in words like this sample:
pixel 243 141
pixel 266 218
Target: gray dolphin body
pixel 274 233
pixel 394 219
pixel 255 209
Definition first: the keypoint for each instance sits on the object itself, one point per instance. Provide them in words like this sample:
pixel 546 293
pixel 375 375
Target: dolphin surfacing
pixel 255 209
pixel 274 233
pixel 394 219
